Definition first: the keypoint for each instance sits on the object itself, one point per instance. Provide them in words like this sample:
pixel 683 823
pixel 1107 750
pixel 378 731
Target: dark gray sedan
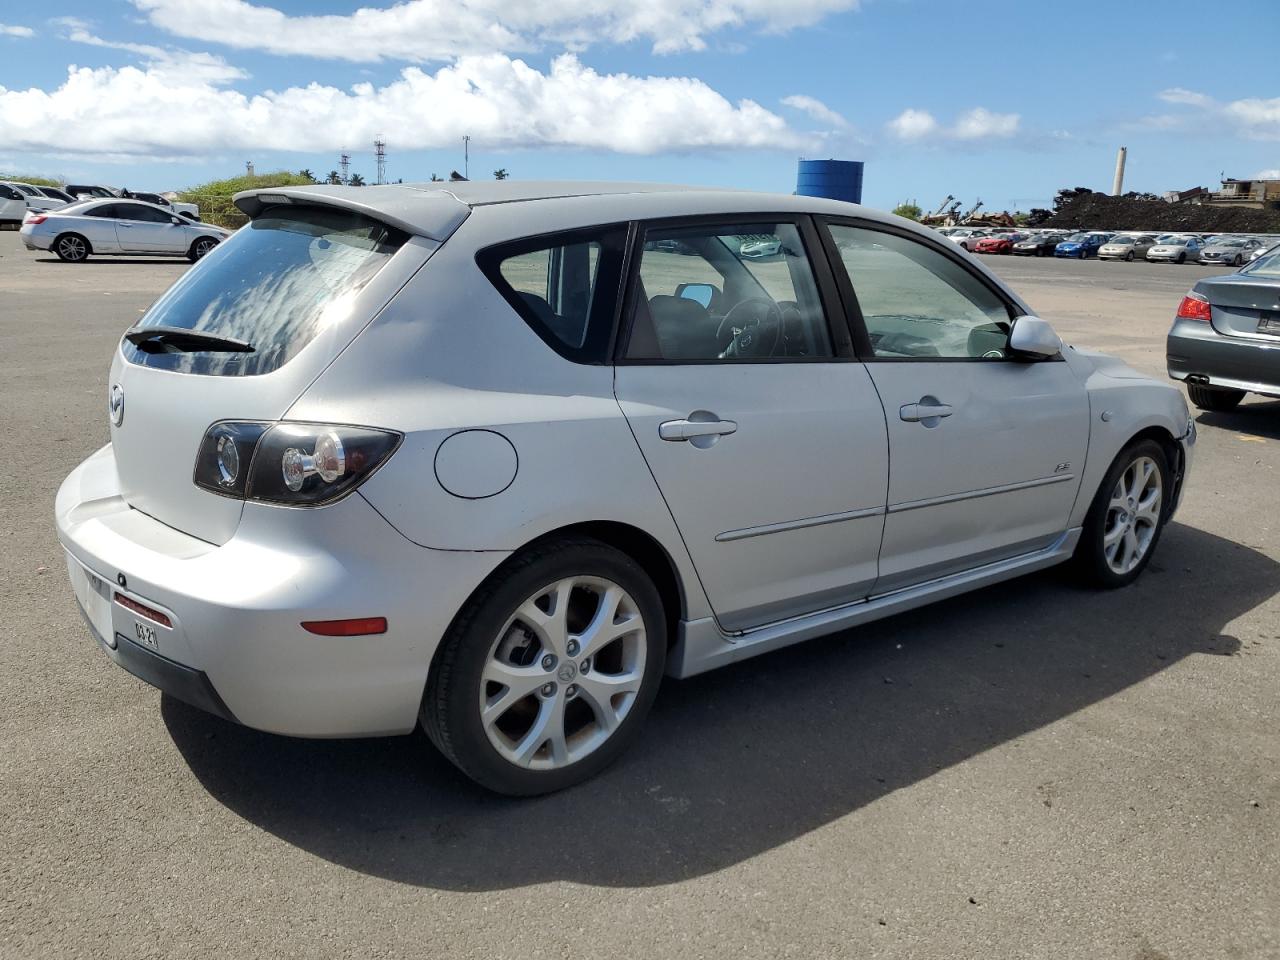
pixel 1225 340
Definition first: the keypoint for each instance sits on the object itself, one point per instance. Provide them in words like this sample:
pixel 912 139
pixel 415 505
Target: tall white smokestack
pixel 1118 187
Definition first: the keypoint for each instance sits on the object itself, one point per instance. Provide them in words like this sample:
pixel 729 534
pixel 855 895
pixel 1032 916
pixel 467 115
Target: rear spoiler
pixel 430 213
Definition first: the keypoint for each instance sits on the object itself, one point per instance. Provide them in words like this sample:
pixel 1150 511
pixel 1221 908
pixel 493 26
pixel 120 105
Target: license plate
pixel 1269 323
pixel 145 634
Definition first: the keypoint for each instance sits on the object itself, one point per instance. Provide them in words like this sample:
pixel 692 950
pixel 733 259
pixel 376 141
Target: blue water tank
pixel 833 179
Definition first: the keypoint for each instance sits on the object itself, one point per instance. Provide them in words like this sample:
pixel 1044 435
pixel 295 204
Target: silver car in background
pixel 118 228
pixel 1175 248
pixel 495 457
pixel 1234 251
pixel 1225 340
pixel 34 199
pixel 1126 247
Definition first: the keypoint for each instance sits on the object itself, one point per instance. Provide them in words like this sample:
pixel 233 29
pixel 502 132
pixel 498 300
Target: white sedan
pixel 497 457
pixel 118 228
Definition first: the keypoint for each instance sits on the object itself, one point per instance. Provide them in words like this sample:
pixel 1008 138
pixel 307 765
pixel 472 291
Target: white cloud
pixel 817 110
pixel 183 64
pixel 1272 174
pixel 1253 118
pixel 976 124
pixel 8 31
pixel 422 30
pixel 913 125
pixel 981 124
pixel 162 110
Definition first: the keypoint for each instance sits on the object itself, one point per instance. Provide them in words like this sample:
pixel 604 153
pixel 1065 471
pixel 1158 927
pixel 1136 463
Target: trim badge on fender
pixel 117 404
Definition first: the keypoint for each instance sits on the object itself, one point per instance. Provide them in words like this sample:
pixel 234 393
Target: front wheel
pixel 1129 257
pixel 1214 398
pixel 200 248
pixel 1182 258
pixel 547 673
pixel 1124 521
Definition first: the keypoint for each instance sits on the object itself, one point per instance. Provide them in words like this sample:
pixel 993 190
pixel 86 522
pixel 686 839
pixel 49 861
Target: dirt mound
pixel 1099 211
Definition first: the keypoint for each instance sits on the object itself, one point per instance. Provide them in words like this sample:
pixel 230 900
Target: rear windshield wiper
pixel 182 340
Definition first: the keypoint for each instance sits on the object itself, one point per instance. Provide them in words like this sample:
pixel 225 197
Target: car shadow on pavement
pixel 1259 419
pixel 103 261
pixel 738 761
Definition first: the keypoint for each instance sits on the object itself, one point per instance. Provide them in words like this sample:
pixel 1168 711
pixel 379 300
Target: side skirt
pixel 703 646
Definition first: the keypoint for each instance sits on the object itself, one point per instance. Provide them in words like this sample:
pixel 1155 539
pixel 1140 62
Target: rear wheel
pixel 71 247
pixel 1124 521
pixel 547 673
pixel 1214 398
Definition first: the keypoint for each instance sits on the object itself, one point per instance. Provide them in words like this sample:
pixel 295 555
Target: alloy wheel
pixel 1133 515
pixel 203 247
pixel 72 248
pixel 563 673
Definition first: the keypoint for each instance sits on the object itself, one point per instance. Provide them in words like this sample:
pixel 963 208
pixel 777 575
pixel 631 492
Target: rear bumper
pixel 234 644
pixel 1194 349
pixel 35 241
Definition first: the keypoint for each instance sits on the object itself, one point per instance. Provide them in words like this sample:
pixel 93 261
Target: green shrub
pixel 214 198
pixel 909 210
pixel 35 181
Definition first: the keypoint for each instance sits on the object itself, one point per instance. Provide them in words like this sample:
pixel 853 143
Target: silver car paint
pixel 110 236
pixel 446 355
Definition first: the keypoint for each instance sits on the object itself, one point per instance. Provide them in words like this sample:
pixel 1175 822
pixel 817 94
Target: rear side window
pixel 564 286
pixel 275 284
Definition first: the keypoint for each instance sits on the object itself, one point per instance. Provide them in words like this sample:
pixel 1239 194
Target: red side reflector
pixel 142 610
pixel 358 627
pixel 1195 307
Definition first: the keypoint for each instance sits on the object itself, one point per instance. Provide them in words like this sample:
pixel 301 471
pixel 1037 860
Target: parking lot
pixel 1033 770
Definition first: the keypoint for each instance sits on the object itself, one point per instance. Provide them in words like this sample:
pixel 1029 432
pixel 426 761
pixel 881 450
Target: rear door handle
pixel 694 429
pixel 928 411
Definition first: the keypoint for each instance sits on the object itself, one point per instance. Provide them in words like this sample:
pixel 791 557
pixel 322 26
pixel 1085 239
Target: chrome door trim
pixel 747 532
pixel 984 492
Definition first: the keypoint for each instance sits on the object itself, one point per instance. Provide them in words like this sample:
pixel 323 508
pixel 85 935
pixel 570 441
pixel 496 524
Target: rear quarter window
pixel 275 283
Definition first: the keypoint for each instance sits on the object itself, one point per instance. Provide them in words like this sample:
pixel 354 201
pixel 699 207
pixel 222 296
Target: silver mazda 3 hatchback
pixel 495 457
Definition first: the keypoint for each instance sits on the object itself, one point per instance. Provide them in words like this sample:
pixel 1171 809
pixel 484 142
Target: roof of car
pixel 435 210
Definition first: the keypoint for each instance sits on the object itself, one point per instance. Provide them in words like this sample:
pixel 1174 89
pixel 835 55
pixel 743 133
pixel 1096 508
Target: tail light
pixel 298 464
pixel 1194 307
pixel 34 218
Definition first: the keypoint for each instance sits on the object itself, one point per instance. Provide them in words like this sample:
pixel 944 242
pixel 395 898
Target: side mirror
pixel 177 220
pixel 1033 338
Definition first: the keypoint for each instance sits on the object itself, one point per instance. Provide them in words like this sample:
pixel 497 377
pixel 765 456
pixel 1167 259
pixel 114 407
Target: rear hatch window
pixel 274 284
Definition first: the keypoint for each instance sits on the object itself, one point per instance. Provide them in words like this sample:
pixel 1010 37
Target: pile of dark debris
pixel 1083 209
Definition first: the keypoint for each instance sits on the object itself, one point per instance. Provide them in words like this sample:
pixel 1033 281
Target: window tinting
pixel 107 210
pixel 727 293
pixel 135 211
pixel 918 303
pixel 275 283
pixel 564 286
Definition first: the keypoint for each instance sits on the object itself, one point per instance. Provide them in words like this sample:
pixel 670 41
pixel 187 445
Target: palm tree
pixel 333 177
pixel 500 173
pixel 308 174
pixel 356 180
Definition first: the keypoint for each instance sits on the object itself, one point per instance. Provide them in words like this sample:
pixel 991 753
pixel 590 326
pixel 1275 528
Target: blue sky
pixel 997 99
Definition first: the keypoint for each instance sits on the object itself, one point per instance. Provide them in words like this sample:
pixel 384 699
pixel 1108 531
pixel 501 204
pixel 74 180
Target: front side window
pixel 727 293
pixel 918 303
pixel 274 284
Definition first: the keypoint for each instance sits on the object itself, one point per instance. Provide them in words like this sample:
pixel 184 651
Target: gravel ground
pixel 1033 770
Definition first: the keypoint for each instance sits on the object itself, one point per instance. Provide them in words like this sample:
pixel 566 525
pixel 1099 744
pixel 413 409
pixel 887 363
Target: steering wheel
pixel 755 325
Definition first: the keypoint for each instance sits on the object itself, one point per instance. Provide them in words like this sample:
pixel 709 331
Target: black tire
pixel 1128 257
pixel 450 711
pixel 1182 258
pixel 200 248
pixel 1090 555
pixel 1238 261
pixel 71 248
pixel 1214 398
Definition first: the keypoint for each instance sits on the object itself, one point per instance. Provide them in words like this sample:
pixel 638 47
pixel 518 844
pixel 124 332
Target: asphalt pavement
pixel 1034 770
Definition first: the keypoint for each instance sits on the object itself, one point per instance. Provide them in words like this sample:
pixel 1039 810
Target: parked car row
pixel 17 199
pixel 1229 249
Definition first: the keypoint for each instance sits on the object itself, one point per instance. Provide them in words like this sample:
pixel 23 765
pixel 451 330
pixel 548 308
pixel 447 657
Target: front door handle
pixel 700 425
pixel 928 411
